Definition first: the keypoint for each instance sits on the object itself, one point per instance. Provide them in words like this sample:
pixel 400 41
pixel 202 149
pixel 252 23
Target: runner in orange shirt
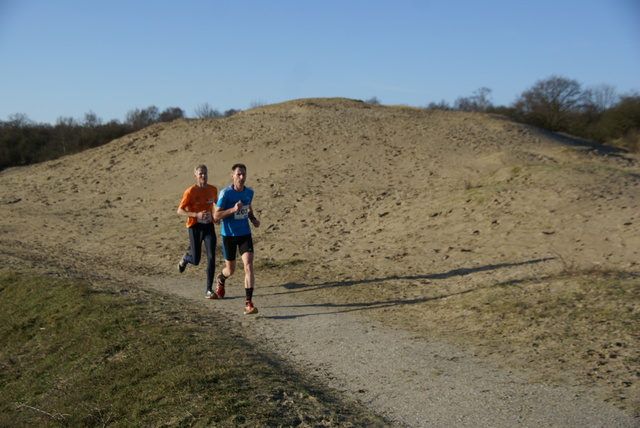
pixel 197 205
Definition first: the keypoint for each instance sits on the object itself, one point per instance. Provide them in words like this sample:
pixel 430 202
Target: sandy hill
pixel 391 204
pixel 363 188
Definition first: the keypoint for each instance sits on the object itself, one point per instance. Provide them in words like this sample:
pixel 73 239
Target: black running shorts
pixel 232 244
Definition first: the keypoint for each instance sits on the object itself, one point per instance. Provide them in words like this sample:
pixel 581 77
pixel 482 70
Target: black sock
pixel 249 292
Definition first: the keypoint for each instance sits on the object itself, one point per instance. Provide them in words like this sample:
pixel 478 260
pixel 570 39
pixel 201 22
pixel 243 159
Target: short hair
pixel 201 166
pixel 238 165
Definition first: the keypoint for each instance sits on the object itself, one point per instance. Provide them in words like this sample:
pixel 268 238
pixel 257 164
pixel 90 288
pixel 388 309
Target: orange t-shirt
pixel 195 200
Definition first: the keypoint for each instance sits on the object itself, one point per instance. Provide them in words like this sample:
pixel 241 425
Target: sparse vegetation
pixel 557 104
pixel 584 319
pixel 444 225
pixel 284 264
pixel 578 323
pixel 23 142
pixel 206 110
pixel 77 355
pixel 257 103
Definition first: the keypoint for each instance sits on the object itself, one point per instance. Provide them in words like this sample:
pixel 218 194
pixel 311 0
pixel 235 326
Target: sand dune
pixel 397 204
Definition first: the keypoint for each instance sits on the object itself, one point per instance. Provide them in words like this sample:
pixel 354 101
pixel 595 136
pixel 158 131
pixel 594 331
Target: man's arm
pixel 253 218
pixel 219 213
pixel 202 215
pixel 185 213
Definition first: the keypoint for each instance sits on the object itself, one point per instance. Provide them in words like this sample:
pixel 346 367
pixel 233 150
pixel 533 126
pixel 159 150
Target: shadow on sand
pixel 352 307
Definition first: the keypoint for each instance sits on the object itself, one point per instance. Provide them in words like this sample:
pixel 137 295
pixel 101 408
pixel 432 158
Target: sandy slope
pixel 383 219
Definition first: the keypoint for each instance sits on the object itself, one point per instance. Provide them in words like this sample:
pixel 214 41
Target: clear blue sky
pixel 65 58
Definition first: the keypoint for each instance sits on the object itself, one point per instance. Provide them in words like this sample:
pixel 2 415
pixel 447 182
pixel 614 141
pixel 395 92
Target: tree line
pixel 24 142
pixel 562 105
pixel 557 104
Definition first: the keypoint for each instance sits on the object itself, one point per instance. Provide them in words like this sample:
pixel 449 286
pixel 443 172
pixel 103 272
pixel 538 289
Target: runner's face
pixel 201 177
pixel 239 176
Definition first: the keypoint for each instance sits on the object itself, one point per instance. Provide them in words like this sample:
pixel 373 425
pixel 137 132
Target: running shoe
pixel 250 309
pixel 220 291
pixel 220 279
pixel 210 295
pixel 183 263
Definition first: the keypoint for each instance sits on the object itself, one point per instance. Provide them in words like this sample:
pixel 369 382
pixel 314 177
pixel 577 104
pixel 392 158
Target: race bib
pixel 242 214
pixel 205 220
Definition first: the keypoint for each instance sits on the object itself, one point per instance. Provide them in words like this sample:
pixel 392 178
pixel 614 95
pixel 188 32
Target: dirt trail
pixel 443 268
pixel 410 380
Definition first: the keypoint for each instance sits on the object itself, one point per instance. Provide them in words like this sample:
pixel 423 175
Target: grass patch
pixel 581 324
pixel 573 303
pixel 80 355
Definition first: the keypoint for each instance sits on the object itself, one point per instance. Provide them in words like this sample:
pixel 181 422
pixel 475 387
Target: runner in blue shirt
pixel 235 210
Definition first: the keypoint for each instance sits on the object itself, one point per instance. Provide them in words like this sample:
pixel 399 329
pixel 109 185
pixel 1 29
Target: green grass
pixel 78 354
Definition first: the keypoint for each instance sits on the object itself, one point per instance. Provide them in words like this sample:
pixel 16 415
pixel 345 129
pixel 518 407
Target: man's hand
pixel 204 216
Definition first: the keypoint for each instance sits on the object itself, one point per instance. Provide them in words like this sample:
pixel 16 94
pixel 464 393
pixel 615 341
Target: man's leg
pixel 195 243
pixel 249 276
pixel 195 238
pixel 229 254
pixel 225 273
pixel 249 282
pixel 210 246
pixel 229 268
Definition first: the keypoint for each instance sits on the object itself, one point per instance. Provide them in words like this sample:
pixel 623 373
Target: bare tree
pixel 482 98
pixel 64 131
pixel 170 114
pixel 464 104
pixel 139 119
pixel 91 120
pixel 442 105
pixel 257 103
pixel 205 110
pixel 479 101
pixel 19 120
pixel 600 98
pixel 549 102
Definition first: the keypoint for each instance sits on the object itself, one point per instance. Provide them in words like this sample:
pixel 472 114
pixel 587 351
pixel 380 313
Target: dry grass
pixel 467 226
pixel 79 355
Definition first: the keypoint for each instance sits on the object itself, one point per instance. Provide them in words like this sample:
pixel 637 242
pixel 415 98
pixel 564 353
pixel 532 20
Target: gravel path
pixel 409 380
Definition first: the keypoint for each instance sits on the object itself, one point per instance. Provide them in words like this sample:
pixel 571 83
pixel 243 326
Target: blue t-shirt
pixel 236 224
